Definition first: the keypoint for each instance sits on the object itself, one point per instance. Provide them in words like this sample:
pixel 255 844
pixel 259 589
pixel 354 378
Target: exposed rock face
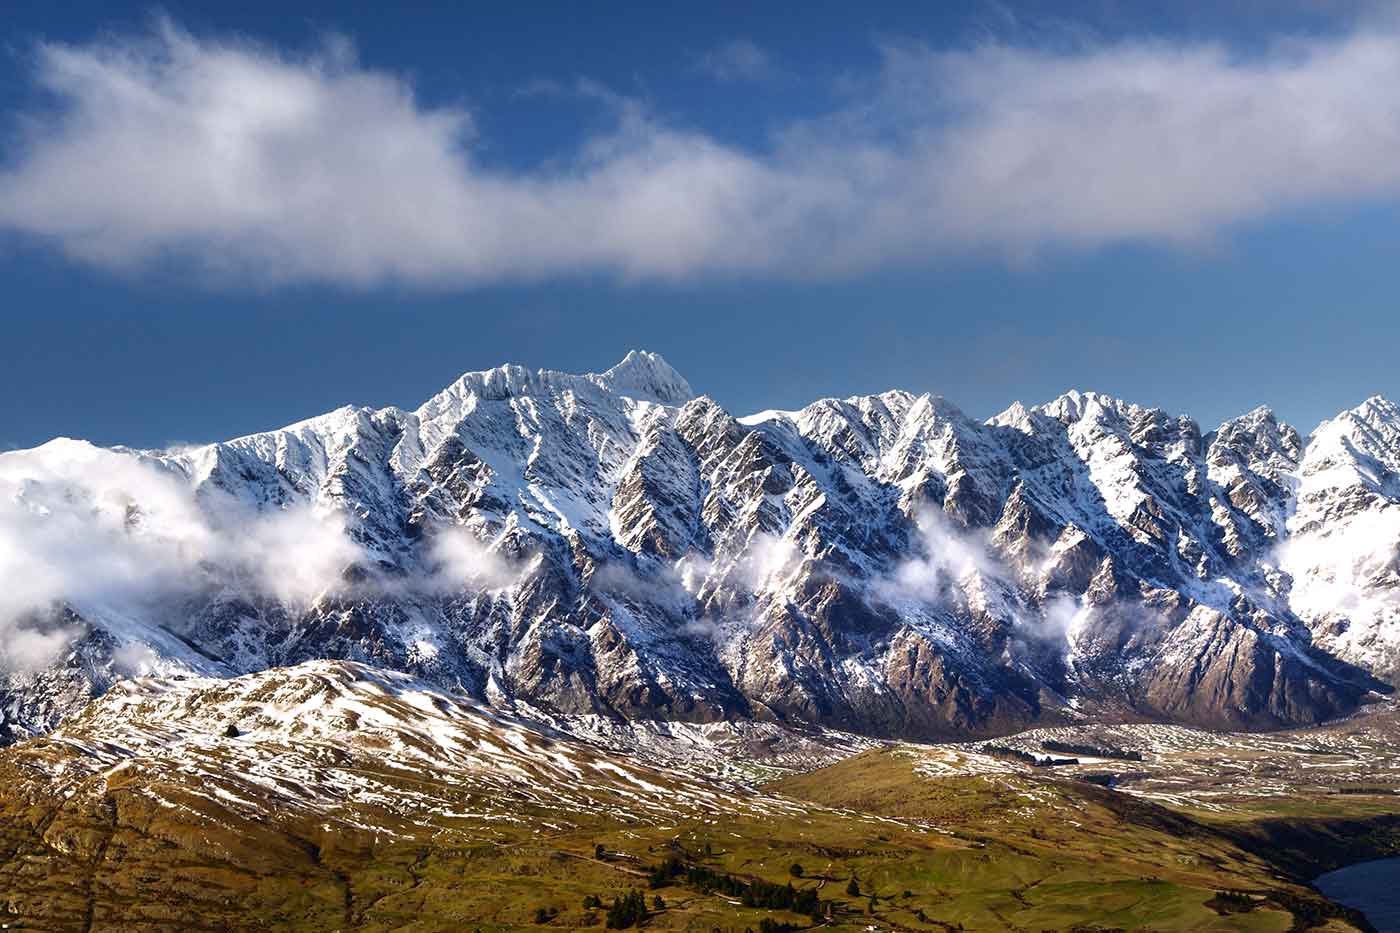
pixel 612 543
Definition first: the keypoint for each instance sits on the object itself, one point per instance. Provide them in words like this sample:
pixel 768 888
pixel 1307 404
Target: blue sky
pixel 216 221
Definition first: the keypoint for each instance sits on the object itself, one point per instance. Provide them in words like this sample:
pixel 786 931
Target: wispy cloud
pixel 738 60
pixel 262 167
pixel 943 559
pixel 116 537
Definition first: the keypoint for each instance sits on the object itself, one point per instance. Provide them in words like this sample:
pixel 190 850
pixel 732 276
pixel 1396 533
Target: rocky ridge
pixel 614 545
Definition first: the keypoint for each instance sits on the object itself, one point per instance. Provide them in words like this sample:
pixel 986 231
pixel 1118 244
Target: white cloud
pixel 1347 570
pixel 953 567
pixel 265 168
pixel 118 538
pixel 737 60
pixel 79 540
pixel 134 659
pixel 1062 616
pixel 129 544
pixel 944 560
pixel 766 557
pixel 28 648
pixel 762 563
pixel 294 554
pixel 463 560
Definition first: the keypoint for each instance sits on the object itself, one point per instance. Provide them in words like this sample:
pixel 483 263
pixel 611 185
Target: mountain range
pixel 616 545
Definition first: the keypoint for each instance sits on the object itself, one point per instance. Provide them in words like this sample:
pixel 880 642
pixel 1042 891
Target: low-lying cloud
pixel 1349 570
pixel 944 557
pixel 123 539
pixel 261 166
pixel 107 533
pixel 947 563
pixel 463 560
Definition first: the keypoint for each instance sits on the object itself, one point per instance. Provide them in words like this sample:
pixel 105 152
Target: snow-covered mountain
pixel 613 544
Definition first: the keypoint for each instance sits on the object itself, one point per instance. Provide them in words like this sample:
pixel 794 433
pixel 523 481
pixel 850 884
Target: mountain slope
pixel 612 544
pixel 334 796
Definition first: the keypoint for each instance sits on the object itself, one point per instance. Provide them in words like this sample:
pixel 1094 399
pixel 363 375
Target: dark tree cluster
pixel 1232 902
pixel 769 925
pixel 755 893
pixel 1090 751
pixel 1006 751
pixel 628 911
pixel 771 896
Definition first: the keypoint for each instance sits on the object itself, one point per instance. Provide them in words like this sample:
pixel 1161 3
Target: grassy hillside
pixel 492 826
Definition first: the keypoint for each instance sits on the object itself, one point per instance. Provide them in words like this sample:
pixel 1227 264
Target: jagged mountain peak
pixel 340 422
pixel 640 375
pixel 1015 414
pixel 1259 418
pixel 1260 438
pixel 1080 405
pixel 1377 413
pixel 647 376
pixel 1379 405
pixel 1260 414
pixel 896 401
pixel 937 406
pixel 1370 430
